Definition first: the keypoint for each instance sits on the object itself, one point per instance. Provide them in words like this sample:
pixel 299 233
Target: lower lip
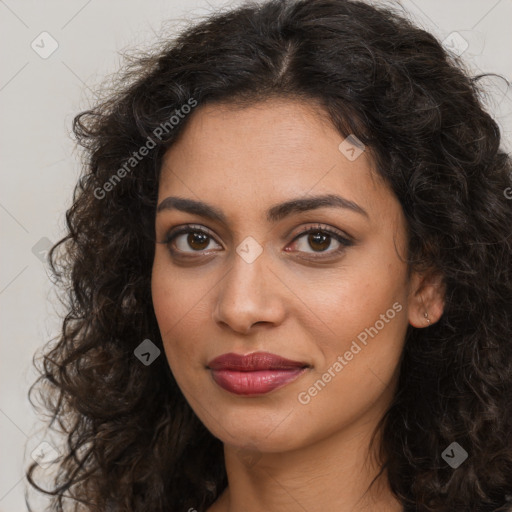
pixel 255 382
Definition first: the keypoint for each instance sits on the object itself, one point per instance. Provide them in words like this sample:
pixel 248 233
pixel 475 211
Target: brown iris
pixel 318 240
pixel 198 241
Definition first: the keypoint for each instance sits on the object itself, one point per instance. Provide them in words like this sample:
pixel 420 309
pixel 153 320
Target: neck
pixel 332 474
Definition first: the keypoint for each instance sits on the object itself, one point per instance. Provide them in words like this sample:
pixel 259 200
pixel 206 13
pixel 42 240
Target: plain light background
pixel 38 99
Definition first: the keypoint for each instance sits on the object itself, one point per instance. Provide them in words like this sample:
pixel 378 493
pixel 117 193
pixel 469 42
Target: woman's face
pixel 246 279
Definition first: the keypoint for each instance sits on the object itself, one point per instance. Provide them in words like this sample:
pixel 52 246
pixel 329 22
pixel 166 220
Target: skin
pixel 281 454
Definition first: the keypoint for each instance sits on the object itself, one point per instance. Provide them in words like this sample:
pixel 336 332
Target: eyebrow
pixel 274 214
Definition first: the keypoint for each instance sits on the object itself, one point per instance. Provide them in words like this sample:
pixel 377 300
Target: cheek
pixel 365 312
pixel 172 295
pixel 164 293
pixel 346 303
pixel 169 304
pixel 359 371
pixel 179 299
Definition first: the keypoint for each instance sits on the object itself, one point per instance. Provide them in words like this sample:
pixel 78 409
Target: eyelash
pixel 344 241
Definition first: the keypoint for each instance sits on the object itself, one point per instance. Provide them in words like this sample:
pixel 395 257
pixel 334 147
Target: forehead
pixel 271 150
pixel 275 133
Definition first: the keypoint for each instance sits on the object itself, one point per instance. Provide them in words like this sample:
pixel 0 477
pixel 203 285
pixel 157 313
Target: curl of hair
pixel 133 442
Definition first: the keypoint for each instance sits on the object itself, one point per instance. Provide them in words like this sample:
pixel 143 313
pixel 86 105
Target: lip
pixel 254 374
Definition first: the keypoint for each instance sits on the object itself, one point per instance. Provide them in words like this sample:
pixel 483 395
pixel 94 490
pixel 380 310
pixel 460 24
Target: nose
pixel 249 294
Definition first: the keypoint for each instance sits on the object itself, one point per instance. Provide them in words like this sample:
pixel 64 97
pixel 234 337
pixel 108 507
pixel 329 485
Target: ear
pixel 426 298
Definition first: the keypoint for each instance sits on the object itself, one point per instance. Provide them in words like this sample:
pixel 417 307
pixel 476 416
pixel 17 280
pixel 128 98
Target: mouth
pixel 254 374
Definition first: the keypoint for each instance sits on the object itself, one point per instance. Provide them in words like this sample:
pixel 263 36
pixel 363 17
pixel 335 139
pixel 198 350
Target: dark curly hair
pixel 133 442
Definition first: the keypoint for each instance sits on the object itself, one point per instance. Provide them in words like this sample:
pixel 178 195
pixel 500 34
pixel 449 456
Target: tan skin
pixel 281 454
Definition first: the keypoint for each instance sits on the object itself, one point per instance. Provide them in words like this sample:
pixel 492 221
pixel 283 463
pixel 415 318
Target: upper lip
pixel 253 362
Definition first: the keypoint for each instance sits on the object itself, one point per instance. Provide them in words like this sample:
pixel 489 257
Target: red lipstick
pixel 254 374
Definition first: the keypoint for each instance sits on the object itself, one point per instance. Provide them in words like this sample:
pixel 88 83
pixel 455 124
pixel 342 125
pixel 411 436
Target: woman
pixel 289 271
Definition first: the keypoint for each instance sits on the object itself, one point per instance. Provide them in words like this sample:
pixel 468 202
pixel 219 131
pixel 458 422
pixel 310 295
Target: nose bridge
pixel 246 293
pixel 249 265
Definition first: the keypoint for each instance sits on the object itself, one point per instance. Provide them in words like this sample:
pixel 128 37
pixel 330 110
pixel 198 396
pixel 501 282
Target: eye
pixel 320 239
pixel 197 239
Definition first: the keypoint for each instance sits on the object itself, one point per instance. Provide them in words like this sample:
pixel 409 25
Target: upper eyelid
pixel 187 228
pixel 327 229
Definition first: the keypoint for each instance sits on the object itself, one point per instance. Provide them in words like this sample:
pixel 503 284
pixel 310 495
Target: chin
pixel 263 428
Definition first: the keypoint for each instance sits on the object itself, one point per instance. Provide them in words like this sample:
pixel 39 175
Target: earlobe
pixel 426 299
